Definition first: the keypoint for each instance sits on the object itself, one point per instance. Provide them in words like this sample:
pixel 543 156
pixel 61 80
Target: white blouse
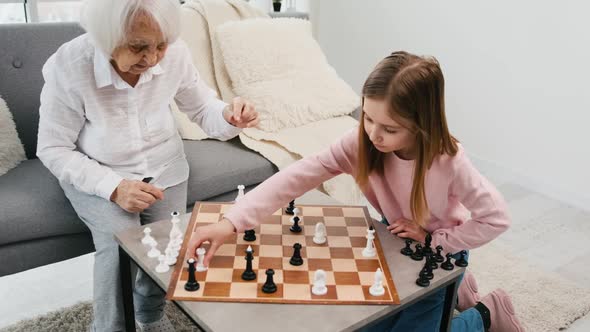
pixel 95 129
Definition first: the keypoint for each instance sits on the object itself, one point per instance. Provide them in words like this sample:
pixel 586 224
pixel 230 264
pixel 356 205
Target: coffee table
pixel 220 316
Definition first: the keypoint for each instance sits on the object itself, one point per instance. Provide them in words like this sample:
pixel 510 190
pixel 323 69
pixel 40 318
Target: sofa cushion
pixel 34 205
pixel 218 167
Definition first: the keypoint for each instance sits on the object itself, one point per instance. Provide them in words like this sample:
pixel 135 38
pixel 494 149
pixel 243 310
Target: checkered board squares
pixel 349 274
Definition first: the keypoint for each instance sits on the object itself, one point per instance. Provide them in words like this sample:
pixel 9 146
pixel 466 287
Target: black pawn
pixel 295 228
pixel 427 244
pixel 417 255
pixel 249 274
pixel 290 208
pixel 407 250
pixel 438 257
pixel 269 285
pixel 250 235
pixel 462 262
pixel 427 269
pixel 447 265
pixel 431 261
pixel 422 280
pixel 296 258
pixel 192 284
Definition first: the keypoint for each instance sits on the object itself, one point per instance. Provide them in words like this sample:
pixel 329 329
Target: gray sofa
pixel 37 223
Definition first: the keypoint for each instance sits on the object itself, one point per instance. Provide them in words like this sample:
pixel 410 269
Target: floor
pixel 51 287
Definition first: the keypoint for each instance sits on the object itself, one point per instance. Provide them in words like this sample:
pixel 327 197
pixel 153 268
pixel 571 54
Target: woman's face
pixel 386 134
pixel 143 48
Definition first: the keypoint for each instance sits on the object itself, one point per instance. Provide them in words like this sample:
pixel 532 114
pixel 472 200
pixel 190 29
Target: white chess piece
pixel 319 283
pixel 369 250
pixel 175 232
pixel 295 214
pixel 162 267
pixel 200 257
pixel 377 288
pixel 170 256
pixel 154 252
pixel 240 192
pixel 147 238
pixel 320 233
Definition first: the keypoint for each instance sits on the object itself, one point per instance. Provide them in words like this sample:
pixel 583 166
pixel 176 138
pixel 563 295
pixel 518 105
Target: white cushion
pixel 12 151
pixel 278 66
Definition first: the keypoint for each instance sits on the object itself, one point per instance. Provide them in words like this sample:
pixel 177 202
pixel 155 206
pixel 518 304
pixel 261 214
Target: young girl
pixel 413 172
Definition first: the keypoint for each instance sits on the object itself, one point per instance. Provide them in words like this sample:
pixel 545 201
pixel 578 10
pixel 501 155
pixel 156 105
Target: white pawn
pixel 175 232
pixel 162 267
pixel 319 283
pixel 295 214
pixel 170 257
pixel 377 288
pixel 240 192
pixel 154 252
pixel 320 233
pixel 147 238
pixel 369 250
pixel 200 257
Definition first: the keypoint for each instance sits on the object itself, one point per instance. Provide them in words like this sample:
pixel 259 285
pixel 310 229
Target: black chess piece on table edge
pixel 407 250
pixel 269 285
pixel 427 244
pixel 427 269
pixel 296 259
pixel 249 274
pixel 417 255
pixel 295 228
pixel 438 257
pixel 430 259
pixel 192 284
pixel 290 208
pixel 462 262
pixel 422 280
pixel 447 265
pixel 250 235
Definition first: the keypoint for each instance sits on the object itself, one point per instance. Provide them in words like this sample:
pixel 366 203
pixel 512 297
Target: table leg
pixel 449 305
pixel 127 287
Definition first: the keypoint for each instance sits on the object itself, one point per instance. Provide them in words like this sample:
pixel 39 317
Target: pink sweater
pixel 466 211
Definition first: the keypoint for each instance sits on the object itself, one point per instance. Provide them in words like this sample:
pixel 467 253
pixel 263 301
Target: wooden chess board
pixel 349 274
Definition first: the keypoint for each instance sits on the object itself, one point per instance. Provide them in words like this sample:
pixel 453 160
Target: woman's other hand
pixel 241 113
pixel 135 196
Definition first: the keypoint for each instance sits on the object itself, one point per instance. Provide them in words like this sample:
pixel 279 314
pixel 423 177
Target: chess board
pixel 349 274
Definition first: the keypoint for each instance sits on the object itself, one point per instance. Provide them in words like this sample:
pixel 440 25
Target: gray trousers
pixel 104 218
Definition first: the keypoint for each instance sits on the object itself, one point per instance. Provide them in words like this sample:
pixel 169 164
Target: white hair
pixel 108 21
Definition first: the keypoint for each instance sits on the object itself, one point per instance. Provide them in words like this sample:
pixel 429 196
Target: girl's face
pixel 144 47
pixel 386 134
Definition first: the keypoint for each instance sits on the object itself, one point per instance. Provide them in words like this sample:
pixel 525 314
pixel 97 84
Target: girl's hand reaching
pixel 407 229
pixel 216 234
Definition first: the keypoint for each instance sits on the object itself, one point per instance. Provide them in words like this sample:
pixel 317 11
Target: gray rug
pixel 77 318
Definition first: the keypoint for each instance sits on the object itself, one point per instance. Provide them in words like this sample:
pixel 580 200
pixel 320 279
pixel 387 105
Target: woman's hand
pixel 241 113
pixel 216 234
pixel 407 229
pixel 135 196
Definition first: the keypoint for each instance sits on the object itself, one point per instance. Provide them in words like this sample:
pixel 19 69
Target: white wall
pixel 517 74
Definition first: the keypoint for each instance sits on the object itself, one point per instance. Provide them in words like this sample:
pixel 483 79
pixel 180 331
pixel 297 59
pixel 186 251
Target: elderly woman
pixel 105 124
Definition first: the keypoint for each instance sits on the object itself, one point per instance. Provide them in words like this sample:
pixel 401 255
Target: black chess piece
pixel 430 259
pixel 192 284
pixel 269 285
pixel 427 268
pixel 462 262
pixel 422 280
pixel 417 255
pixel 296 258
pixel 447 265
pixel 250 235
pixel 438 257
pixel 407 250
pixel 249 274
pixel 295 228
pixel 290 208
pixel 427 244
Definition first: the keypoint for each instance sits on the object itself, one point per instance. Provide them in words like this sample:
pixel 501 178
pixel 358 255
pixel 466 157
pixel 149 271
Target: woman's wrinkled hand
pixel 135 196
pixel 241 113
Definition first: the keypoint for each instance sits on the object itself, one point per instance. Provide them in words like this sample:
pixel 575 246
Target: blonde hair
pixel 108 21
pixel 413 87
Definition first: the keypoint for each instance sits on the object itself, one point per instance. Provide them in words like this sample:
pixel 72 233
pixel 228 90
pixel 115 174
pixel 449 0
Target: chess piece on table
pixel 295 228
pixel 147 238
pixel 427 269
pixel 200 258
pixel 369 250
pixel 431 261
pixel 296 258
pixel 289 209
pixel 447 265
pixel 427 244
pixel 319 283
pixel 241 188
pixel 422 280
pixel 154 252
pixel 417 255
pixel 377 288
pixel 162 266
pixel 170 256
pixel 269 285
pixel 250 235
pixel 249 273
pixel 319 236
pixel 175 234
pixel 192 284
pixel 407 250
pixel 462 262
pixel 295 214
pixel 438 257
